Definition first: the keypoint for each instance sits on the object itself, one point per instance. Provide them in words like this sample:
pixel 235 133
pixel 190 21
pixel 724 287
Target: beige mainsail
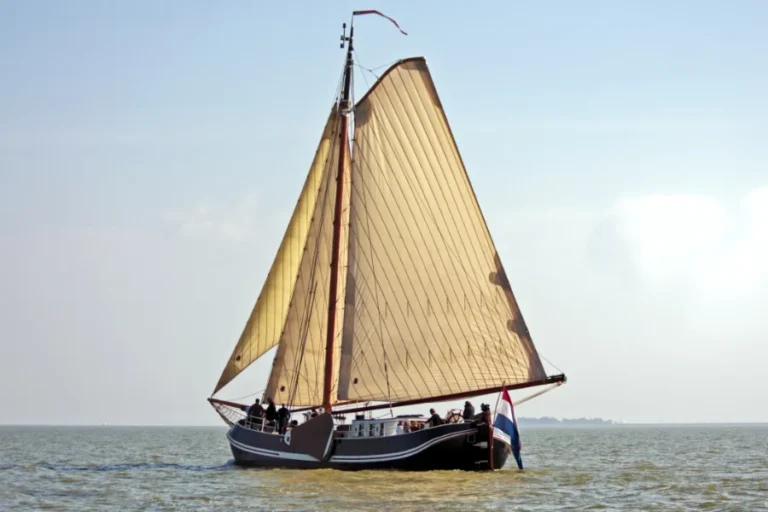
pixel 428 311
pixel 268 317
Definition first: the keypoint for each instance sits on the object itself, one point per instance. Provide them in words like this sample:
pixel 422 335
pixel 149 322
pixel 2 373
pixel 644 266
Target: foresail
pixel 265 324
pixel 428 310
pixel 297 375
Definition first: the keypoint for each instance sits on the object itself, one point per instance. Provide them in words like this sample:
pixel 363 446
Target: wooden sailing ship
pixel 386 291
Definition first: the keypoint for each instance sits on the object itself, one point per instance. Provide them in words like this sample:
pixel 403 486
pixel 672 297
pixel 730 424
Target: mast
pixel 344 110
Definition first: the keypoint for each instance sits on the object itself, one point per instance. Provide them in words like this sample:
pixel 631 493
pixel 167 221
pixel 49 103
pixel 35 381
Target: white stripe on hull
pixel 271 453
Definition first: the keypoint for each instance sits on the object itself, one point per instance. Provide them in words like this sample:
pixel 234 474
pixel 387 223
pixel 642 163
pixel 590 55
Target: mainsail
pixel 425 309
pixel 429 311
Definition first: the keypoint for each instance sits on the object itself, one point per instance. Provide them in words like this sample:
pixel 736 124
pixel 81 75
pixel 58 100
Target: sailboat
pixel 386 291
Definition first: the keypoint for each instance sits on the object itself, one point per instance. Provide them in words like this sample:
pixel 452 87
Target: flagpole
pixel 503 384
pixel 490 442
pixel 490 428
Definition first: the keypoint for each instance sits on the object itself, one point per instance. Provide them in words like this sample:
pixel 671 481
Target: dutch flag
pixel 507 423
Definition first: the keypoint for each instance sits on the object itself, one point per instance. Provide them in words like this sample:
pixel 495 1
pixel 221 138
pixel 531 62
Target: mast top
pixel 346 93
pixel 344 37
pixel 345 106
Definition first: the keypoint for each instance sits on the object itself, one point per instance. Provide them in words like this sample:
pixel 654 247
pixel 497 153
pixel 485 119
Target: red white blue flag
pixel 507 423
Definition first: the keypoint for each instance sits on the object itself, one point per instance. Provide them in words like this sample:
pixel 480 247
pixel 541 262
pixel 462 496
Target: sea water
pixel 619 467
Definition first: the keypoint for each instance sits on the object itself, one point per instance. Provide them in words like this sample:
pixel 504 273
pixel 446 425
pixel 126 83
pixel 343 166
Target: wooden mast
pixel 344 110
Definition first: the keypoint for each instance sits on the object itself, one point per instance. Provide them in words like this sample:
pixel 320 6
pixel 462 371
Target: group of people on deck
pixel 272 417
pixel 279 419
pixel 403 427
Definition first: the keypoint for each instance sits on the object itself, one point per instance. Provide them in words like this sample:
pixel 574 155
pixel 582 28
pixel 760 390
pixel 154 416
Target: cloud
pixel 698 240
pixel 237 223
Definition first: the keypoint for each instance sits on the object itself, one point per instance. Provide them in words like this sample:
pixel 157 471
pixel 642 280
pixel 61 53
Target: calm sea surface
pixel 608 468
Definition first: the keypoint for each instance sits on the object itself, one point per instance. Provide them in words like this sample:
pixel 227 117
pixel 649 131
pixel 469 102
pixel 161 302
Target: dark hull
pixel 461 446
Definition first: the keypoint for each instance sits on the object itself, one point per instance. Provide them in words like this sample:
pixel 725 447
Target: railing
pixel 232 415
pixel 258 425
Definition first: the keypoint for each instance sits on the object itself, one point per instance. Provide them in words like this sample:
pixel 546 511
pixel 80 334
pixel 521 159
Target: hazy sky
pixel 151 154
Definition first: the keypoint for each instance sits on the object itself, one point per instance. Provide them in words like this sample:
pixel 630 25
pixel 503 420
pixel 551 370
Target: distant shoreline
pixel 547 420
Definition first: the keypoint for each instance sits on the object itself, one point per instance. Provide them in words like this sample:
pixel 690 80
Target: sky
pixel 151 154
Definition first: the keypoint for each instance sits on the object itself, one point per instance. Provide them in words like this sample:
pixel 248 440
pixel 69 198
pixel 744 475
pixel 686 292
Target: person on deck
pixel 256 410
pixel 271 414
pixel 469 411
pixel 254 414
pixel 399 428
pixel 435 419
pixel 283 414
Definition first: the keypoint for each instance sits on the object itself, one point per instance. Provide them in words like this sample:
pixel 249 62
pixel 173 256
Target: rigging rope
pixel 538 393
pixel 248 396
